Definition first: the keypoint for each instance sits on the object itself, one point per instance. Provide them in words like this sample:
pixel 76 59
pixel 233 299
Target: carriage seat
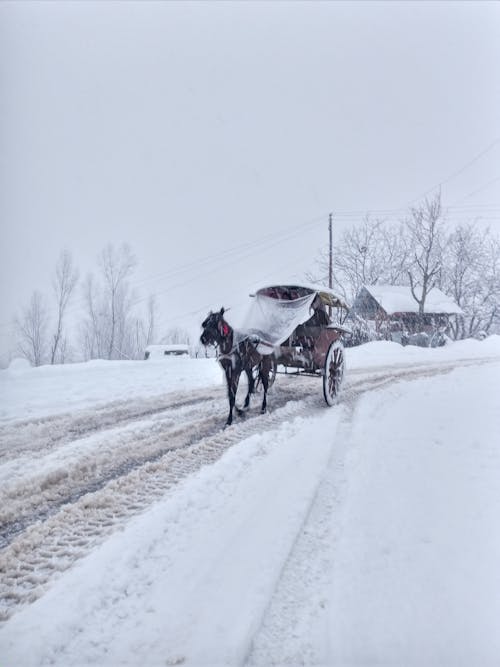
pixel 311 329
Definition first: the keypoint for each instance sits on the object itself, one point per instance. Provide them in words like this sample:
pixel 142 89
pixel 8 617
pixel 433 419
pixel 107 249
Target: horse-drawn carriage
pixel 287 326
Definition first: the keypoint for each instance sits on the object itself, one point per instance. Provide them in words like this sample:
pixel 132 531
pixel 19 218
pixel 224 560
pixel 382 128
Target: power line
pixel 347 216
pixel 262 240
pixel 195 278
pixel 459 171
pixel 248 249
pixel 203 309
pixel 483 187
pixel 230 256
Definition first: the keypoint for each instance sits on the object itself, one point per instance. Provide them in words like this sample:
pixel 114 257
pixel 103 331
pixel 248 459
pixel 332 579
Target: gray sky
pixel 189 130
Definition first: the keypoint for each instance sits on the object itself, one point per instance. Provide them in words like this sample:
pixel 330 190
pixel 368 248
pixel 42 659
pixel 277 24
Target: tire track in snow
pixel 51 546
pixel 38 435
pixel 292 630
pixel 35 494
pixel 30 494
pixel 34 490
pixel 51 541
pixel 296 611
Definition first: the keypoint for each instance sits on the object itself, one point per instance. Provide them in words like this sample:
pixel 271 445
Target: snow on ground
pixel 416 577
pixel 383 353
pixel 27 392
pixel 364 534
pixel 190 579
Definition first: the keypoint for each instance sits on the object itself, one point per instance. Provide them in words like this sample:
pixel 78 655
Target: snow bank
pixel 382 353
pixel 36 392
pixel 415 576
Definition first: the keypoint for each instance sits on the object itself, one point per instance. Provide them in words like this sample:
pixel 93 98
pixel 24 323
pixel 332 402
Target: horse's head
pixel 215 329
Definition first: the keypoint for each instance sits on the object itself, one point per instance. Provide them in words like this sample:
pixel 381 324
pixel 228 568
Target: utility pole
pixel 330 261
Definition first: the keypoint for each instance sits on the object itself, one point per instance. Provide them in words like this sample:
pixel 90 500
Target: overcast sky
pixel 189 130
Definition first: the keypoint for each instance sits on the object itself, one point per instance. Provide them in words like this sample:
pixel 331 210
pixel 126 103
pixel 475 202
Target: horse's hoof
pixel 263 411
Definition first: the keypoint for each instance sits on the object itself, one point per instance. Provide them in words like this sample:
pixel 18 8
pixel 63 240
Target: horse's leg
pixel 232 377
pixel 231 392
pixel 249 373
pixel 264 370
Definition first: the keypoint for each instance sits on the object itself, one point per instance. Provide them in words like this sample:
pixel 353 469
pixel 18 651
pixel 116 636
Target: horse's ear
pixel 221 312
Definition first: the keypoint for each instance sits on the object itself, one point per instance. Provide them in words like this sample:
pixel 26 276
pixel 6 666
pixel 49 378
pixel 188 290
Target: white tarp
pixel 274 320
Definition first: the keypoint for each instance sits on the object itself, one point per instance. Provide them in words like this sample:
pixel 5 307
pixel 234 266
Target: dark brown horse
pixel 236 353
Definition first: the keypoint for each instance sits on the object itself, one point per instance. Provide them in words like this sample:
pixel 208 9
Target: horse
pixel 237 353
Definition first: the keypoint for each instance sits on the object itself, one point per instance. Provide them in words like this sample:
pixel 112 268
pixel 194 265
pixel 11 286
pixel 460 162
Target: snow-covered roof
pixel 399 299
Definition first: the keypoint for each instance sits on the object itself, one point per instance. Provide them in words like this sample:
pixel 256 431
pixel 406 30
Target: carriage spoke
pixel 334 372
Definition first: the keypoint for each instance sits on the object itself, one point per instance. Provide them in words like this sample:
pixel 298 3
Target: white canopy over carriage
pixel 276 311
pixel 291 322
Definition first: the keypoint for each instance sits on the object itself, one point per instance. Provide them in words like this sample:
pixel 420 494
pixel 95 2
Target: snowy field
pixel 37 392
pixel 140 533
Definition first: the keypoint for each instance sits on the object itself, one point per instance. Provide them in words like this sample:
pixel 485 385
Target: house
pixel 392 313
pixel 159 351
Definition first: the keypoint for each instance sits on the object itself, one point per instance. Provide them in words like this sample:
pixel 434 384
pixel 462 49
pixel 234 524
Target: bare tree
pixel 64 281
pixel 372 252
pixel 31 328
pixel 426 230
pixel 176 336
pixel 116 266
pixel 472 277
pixel 111 328
pixel 421 253
pixel 492 287
pixel 91 331
pixel 143 331
pixel 151 320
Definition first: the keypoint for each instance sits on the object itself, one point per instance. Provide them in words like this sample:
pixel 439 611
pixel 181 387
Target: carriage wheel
pixel 334 372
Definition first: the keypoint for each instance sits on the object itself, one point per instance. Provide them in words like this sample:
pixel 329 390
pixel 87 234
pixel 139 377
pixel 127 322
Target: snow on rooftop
pixel 399 299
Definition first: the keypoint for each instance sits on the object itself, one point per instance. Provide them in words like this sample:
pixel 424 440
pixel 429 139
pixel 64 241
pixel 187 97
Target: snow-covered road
pixel 364 533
